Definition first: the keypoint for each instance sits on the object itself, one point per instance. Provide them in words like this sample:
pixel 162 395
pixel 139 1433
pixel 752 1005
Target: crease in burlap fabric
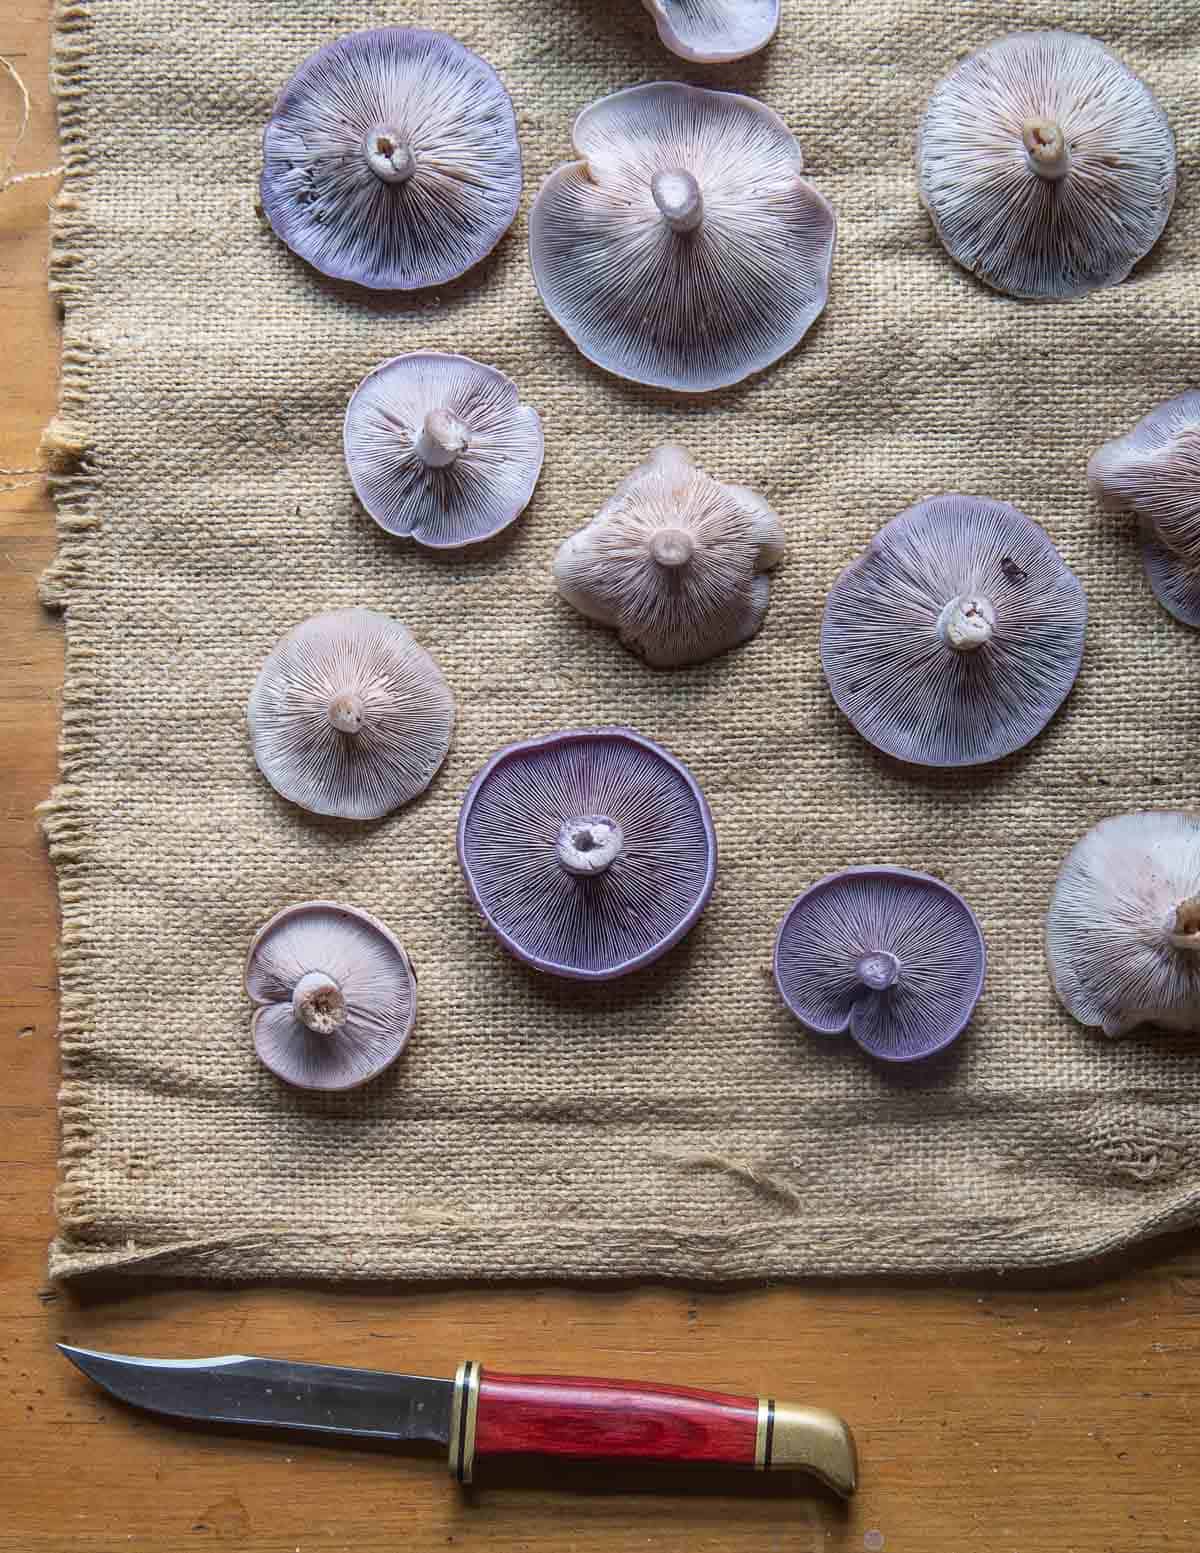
pixel 678 1123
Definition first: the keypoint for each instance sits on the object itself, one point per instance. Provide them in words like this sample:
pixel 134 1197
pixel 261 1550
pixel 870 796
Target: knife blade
pixel 486 1414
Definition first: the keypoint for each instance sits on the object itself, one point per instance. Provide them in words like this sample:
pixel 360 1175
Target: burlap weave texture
pixel 678 1123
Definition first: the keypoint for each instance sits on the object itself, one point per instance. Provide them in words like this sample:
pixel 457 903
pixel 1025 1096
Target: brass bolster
pixel 789 1438
pixel 464 1409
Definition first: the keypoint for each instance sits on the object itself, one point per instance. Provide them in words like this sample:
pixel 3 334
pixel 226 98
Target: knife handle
pixel 557 1415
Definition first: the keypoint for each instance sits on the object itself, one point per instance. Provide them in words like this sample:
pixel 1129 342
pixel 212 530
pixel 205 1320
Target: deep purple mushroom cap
pixel 894 957
pixel 956 635
pixel 391 159
pixel 589 853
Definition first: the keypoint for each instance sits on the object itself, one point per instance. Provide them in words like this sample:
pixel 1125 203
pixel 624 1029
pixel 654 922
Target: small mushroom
pixel 1154 472
pixel 685 250
pixel 349 717
pixel 391 159
pixel 711 32
pixel 894 957
pixel 1047 166
pixel 334 994
pixel 1123 930
pixel 675 561
pixel 440 449
pixel 588 853
pixel 956 636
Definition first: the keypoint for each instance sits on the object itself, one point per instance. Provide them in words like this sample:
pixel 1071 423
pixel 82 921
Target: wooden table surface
pixel 992 1417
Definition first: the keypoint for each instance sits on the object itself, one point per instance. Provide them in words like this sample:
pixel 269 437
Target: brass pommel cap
pixel 806 1439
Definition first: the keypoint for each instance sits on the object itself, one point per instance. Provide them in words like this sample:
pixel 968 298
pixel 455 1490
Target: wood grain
pixel 1053 1421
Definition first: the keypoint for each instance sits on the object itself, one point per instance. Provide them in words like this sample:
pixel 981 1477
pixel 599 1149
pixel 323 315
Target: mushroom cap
pixel 674 560
pixel 483 489
pixel 687 310
pixel 922 933
pixel 1108 942
pixel 1154 471
pixel 599 926
pixel 892 671
pixel 1024 233
pixel 441 107
pixel 370 666
pixel 376 983
pixel 711 32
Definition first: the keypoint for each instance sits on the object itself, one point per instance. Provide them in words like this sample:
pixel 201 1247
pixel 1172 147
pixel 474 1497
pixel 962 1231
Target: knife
pixel 485 1414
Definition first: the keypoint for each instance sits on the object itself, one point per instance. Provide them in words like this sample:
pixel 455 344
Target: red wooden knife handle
pixel 558 1415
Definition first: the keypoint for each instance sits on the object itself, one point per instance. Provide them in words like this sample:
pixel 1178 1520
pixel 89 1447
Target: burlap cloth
pixel 679 1123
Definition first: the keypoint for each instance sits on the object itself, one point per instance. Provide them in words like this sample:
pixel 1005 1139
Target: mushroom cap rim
pixel 670 39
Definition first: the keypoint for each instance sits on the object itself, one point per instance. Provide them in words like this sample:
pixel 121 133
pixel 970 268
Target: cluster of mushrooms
pixel 684 249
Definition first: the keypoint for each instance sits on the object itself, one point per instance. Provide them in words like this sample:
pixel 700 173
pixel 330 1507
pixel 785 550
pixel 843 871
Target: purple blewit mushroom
pixel 350 717
pixel 391 159
pixel 440 449
pixel 711 32
pixel 684 249
pixel 1154 472
pixel 956 636
pixel 589 853
pixel 334 993
pixel 1046 165
pixel 1123 929
pixel 894 957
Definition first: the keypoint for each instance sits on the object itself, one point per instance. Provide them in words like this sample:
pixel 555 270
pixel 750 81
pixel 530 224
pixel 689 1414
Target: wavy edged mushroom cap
pixel 685 250
pixel 675 561
pixel 956 636
pixel 440 449
pixel 391 159
pixel 334 993
pixel 589 853
pixel 1154 472
pixel 711 32
pixel 349 717
pixel 894 957
pixel 1047 166
pixel 1123 929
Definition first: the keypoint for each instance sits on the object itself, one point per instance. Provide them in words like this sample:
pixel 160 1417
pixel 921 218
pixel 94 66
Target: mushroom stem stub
pixel 589 845
pixel 1046 147
pixel 442 438
pixel 318 1004
pixel 678 197
pixel 879 971
pixel 388 155
pixel 672 547
pixel 967 623
pixel 1185 926
pixel 346 713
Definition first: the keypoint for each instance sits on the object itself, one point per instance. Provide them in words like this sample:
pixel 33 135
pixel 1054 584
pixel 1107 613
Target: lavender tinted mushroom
pixel 440 449
pixel 349 717
pixel 334 994
pixel 1123 930
pixel 685 250
pixel 956 636
pixel 675 561
pixel 894 957
pixel 588 853
pixel 711 32
pixel 391 159
pixel 1154 472
pixel 1047 166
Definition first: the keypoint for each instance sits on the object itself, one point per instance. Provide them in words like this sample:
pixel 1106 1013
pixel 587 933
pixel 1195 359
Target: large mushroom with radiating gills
pixel 350 716
pixel 711 32
pixel 589 853
pixel 956 636
pixel 1154 472
pixel 391 159
pixel 675 561
pixel 1047 166
pixel 1123 930
pixel 334 994
pixel 894 957
pixel 440 449
pixel 685 250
